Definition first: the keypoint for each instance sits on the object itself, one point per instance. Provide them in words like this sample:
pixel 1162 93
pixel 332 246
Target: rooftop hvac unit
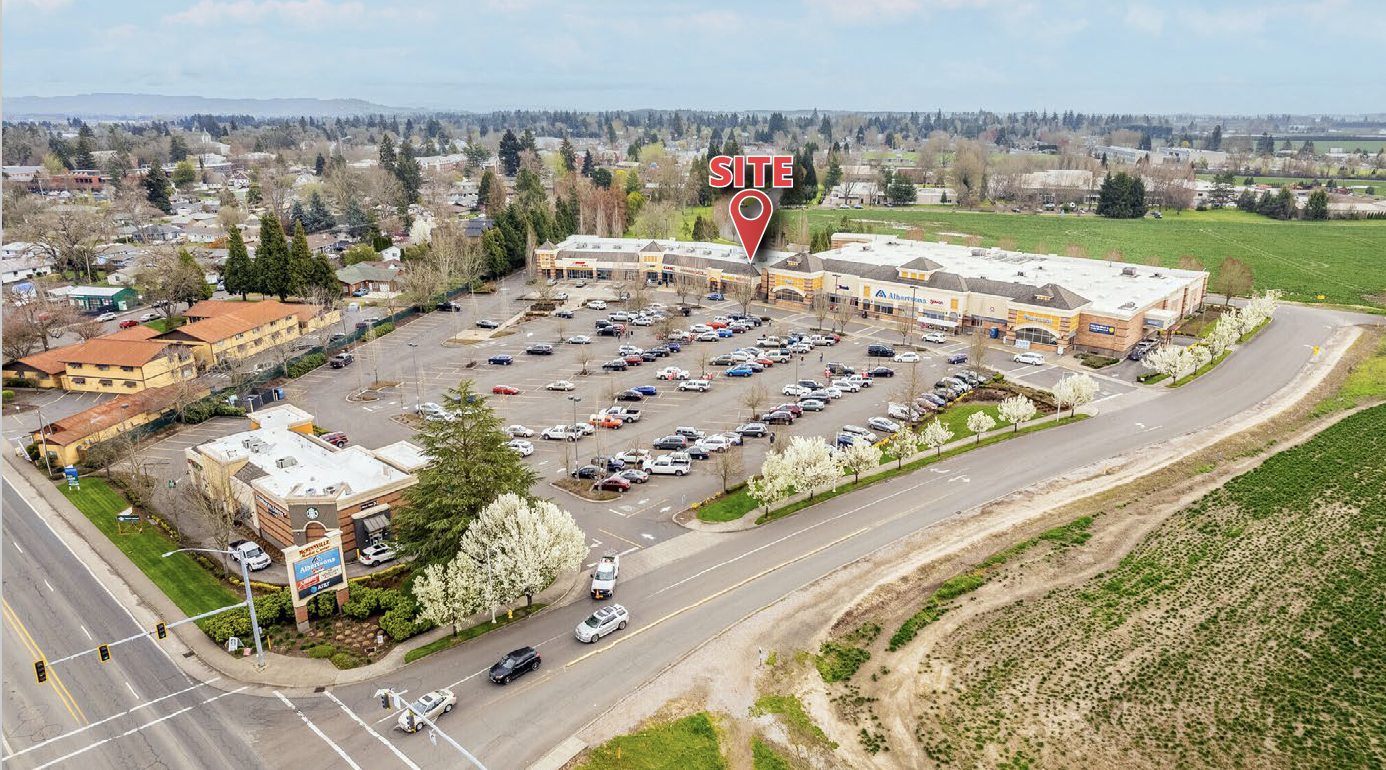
pixel 979 252
pixel 1131 271
pixel 1020 273
pixel 286 462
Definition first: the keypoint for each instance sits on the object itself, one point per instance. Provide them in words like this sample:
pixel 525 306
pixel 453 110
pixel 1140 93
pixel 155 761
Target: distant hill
pixel 116 106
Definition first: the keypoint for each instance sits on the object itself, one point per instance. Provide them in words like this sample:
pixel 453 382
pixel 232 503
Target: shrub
pixel 273 608
pixel 399 621
pixel 324 605
pixel 389 598
pixel 838 662
pixel 227 624
pixel 7 395
pixel 306 364
pixel 364 602
pixel 19 382
pixel 322 651
pixel 207 408
pixel 385 328
pixel 345 660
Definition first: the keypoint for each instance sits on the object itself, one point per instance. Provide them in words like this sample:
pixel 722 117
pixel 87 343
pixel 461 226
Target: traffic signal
pixel 409 724
pixel 40 671
pixel 105 652
pixel 385 700
pixel 161 630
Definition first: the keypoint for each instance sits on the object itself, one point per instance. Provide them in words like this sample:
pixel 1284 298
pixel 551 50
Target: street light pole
pixel 572 467
pixel 43 437
pixel 249 600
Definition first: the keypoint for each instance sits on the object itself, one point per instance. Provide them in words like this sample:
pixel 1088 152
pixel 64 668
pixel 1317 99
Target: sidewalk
pixel 188 647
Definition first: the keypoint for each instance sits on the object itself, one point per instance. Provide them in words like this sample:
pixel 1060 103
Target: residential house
pixel 365 278
pixel 221 330
pixel 15 269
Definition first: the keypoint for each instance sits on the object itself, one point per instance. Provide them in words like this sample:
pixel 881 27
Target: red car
pixel 506 390
pixel 765 362
pixel 794 409
pixel 338 439
pixel 612 484
pixel 129 323
pixel 716 325
pixel 634 360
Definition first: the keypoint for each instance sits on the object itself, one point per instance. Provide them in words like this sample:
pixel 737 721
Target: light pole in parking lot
pixel 418 375
pixel 573 432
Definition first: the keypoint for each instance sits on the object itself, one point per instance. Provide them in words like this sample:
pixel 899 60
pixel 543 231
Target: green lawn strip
pixel 471 632
pixel 955 418
pixel 1152 378
pixel 166 324
pixel 185 582
pixel 791 710
pixel 866 481
pixel 1366 382
pixel 1211 365
pixel 728 507
pixel 765 758
pixel 1075 532
pixel 686 744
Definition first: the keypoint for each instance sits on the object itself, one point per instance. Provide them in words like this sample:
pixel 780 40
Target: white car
pixel 699 328
pixel 106 317
pixel 672 373
pixel 1034 359
pixel 715 443
pixel 429 408
pixel 732 436
pixel 629 350
pixel 596 304
pixel 833 392
pixel 795 390
pixel 560 385
pixel 857 430
pixel 847 385
pixel 521 447
pixel 778 356
pixel 706 337
pixel 641 320
pixel 902 412
pixel 432 705
pixel 518 431
pixel 859 381
pixel 634 456
pixel 700 386
pixel 908 357
pixel 819 340
pixel 584 429
pixel 561 433
pixel 149 317
pixel 938 338
pixel 800 348
pixel 579 339
pixel 377 553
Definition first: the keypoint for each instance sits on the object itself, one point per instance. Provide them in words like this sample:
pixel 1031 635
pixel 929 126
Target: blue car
pixel 501 360
pixel 645 390
pixel 724 332
pixel 740 371
pixel 716 297
pixel 674 347
pixel 845 439
pixel 958 358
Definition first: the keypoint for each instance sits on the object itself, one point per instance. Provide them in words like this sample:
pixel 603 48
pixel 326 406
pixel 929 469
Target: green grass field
pixel 686 744
pixel 184 580
pixel 1279 181
pixel 1342 261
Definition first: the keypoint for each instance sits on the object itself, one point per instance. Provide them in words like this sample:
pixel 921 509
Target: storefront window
pixel 1042 336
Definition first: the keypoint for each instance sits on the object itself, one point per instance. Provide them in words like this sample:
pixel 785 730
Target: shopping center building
pixel 1031 301
pixel 1044 302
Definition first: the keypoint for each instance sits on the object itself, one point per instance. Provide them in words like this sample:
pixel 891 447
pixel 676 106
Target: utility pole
pixel 249 600
pixel 43 437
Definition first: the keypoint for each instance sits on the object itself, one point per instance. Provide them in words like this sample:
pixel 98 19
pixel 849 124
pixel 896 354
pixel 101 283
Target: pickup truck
pixel 253 555
pixel 604 577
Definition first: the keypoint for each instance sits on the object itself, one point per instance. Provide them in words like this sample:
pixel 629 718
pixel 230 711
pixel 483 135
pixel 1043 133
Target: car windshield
pixel 605 573
pixel 252 551
pixel 592 621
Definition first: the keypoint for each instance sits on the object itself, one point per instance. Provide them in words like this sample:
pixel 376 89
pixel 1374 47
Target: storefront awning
pixel 376 523
pixel 945 323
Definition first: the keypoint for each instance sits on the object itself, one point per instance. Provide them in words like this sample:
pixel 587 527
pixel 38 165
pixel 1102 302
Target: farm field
pixel 1279 181
pixel 1345 262
pixel 1243 632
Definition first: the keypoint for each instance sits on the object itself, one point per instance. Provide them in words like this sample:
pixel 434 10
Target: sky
pixel 1156 56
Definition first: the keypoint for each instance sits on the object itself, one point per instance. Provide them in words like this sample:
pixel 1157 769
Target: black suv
pixel 449 307
pixel 615 365
pixel 515 663
pixel 1142 347
pixel 540 350
pixel 881 351
pixel 340 360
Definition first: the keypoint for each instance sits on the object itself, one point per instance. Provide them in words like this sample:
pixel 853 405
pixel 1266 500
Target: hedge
pixel 207 408
pixel 306 364
pixel 20 382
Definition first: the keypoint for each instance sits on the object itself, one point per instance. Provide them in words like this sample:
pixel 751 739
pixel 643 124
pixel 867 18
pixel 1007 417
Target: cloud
pixel 873 10
pixel 307 12
pixel 42 5
pixel 1145 19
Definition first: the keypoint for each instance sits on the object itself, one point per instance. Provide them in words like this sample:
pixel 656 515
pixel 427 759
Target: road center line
pixel 345 757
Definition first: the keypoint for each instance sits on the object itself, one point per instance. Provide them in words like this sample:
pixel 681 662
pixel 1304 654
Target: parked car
pixel 129 323
pixel 587 472
pixel 253 555
pixel 880 351
pixel 796 391
pixel 958 358
pixel 596 304
pixel 634 475
pixel 500 359
pixel 579 339
pixel 672 373
pixel 1033 359
pixel 149 317
pixel 699 386
pixel 908 357
pixel 612 617
pixel 671 442
pixel 615 365
pixel 612 484
pixel 937 338
pixel 506 390
pixel 515 663
pixel 1141 349
pixel 741 370
pixel 777 418
pixel 812 405
pixel 848 385
pixel 107 316
pixel 522 447
pixel 542 349
pixel 630 395
pixel 337 439
pixel 376 553
pixel 857 430
pixel 561 433
pixel 449 307
pixel 563 314
pixel 487 323
pixel 883 424
pixel 431 705
pixel 715 297
pixel 646 390
pixel 933 399
pixel 341 360
pixel 755 429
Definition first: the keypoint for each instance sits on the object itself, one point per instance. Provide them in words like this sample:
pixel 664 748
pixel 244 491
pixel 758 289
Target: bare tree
pixel 911 385
pixel 977 347
pixel 904 324
pixel 38 315
pixel 842 313
pixel 744 293
pixel 755 398
pixel 131 204
pixel 584 357
pixel 1233 279
pixel 820 308
pixel 639 296
pixel 87 328
pixel 727 464
pixel 686 286
pixel 213 503
pixel 969 172
pixel 19 338
pixel 71 236
pixel 704 355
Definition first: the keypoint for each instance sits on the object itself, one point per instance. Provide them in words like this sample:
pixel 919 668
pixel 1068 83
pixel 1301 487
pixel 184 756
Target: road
pixel 674 607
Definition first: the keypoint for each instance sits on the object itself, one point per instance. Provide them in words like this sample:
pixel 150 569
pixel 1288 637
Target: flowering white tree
pixel 812 463
pixel 860 456
pixel 1199 356
pixel 523 545
pixel 1258 309
pixel 774 482
pixel 1074 391
pixel 1169 360
pixel 979 423
pixel 936 434
pixel 904 444
pixel 1017 409
pixel 1225 333
pixel 452 592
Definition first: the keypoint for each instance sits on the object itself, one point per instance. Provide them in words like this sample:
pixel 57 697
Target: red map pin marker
pixel 750 229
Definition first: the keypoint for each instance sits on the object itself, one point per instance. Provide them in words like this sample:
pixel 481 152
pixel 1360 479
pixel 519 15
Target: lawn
pixel 166 324
pixel 686 744
pixel 472 632
pixel 1340 260
pixel 190 586
pixel 1364 384
pixel 955 418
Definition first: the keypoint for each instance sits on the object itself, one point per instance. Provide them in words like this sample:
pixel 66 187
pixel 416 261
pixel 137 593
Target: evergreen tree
pixel 157 187
pixel 297 214
pixel 177 148
pixel 1122 196
pixel 1317 208
pixel 509 153
pixel 354 219
pixel 1246 201
pixel 319 165
pixel 833 176
pixel 238 274
pixel 273 269
pixel 300 259
pixel 83 157
pixel 565 151
pixel 527 141
pixel 587 164
pixel 198 290
pixel 319 216
pixel 601 178
pixel 409 173
pixel 387 153
pixel 252 192
pixel 901 190
pixel 1215 139
pixel 529 190
pixel 1284 204
pixel 825 128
